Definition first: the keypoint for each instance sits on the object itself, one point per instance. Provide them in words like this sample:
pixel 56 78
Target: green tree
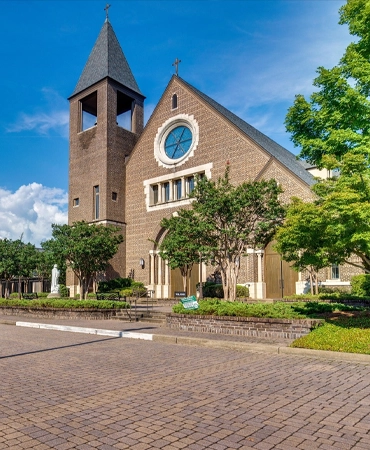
pixel 301 240
pixel 183 243
pixel 333 130
pixel 44 265
pixel 336 226
pixel 17 260
pixel 86 248
pixel 8 262
pixel 26 263
pixel 344 203
pixel 336 118
pixel 235 218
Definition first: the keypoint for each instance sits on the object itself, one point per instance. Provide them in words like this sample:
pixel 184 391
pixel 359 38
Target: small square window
pixel 114 196
pixel 335 272
pixel 76 202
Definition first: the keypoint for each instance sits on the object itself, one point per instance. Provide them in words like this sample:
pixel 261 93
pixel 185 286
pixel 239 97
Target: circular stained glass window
pixel 178 142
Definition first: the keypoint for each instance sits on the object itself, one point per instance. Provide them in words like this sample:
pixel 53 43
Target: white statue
pixel 55 280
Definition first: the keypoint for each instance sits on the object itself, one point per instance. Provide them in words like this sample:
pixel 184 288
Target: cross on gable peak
pixel 176 64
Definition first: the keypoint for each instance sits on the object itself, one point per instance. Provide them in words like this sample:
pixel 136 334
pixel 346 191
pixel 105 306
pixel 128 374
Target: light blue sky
pixel 252 56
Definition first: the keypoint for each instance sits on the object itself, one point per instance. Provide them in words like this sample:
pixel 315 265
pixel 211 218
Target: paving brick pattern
pixel 73 391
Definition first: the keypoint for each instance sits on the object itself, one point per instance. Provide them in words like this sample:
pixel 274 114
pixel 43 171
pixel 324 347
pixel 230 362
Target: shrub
pixel 283 310
pixel 42 294
pixel 64 291
pixel 125 292
pixel 65 303
pixel 114 285
pixel 361 285
pixel 242 291
pixel 213 290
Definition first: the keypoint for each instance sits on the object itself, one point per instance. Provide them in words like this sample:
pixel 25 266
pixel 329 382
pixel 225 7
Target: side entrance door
pixel 279 276
pixel 177 285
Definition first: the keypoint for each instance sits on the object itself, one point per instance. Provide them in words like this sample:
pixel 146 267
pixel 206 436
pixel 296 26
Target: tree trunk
pixel 186 274
pixel 81 283
pixel 6 288
pixel 184 280
pixel 316 284
pixel 311 283
pixel 229 276
pixel 200 277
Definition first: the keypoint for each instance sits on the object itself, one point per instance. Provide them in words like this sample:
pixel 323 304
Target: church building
pixel 130 175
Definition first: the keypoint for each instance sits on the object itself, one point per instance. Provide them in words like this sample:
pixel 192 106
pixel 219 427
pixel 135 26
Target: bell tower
pixel 106 120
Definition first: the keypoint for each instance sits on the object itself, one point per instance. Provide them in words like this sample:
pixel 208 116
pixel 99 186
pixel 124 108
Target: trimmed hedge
pixel 361 285
pixel 114 285
pixel 279 310
pixel 64 303
pixel 214 290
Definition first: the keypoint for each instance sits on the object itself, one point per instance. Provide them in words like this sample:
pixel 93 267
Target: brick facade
pixel 243 326
pixel 123 163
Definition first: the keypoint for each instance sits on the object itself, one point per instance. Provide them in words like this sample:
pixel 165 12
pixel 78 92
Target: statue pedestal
pixel 54 295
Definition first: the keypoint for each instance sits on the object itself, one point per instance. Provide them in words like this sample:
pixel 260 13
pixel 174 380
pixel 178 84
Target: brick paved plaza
pixel 65 390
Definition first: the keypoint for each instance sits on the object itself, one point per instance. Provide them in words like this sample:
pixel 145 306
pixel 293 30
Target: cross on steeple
pixel 106 10
pixel 176 64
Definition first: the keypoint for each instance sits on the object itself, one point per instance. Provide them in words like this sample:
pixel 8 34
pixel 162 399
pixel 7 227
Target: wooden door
pixel 177 285
pixel 279 276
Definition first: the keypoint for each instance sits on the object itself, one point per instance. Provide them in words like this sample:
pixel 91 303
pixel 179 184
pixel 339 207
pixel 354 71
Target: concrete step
pixel 142 316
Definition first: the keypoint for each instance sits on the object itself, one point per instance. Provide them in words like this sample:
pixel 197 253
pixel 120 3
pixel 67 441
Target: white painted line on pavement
pixel 113 333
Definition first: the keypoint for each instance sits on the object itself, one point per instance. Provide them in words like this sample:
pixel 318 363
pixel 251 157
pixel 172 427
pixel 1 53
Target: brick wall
pixel 242 326
pixel 219 142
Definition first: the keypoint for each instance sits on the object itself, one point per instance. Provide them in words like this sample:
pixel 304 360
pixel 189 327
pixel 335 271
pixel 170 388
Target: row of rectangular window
pixel 172 190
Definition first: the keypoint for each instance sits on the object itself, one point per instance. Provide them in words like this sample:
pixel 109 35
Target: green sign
pixel 190 302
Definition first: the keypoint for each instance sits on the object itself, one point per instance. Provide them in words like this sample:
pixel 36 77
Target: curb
pixel 199 342
pixel 95 331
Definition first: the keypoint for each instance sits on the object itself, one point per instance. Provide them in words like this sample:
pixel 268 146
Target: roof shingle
pixel 278 152
pixel 106 60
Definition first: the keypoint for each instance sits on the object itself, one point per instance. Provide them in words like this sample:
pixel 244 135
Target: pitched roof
pixel 106 60
pixel 278 152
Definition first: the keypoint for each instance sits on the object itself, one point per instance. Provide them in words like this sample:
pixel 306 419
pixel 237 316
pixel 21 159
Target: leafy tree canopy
pixel 227 220
pixel 17 259
pixel 336 118
pixel 336 226
pixel 87 249
pixel 182 245
pixel 344 203
pixel 301 239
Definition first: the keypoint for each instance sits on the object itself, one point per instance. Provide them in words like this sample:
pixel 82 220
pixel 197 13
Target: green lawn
pixel 350 335
pixel 345 328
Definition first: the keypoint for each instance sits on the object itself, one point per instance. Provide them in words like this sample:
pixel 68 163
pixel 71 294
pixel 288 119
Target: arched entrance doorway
pixel 280 278
pixel 164 281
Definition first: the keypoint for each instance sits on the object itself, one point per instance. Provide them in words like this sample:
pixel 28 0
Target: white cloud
pixel 55 119
pixel 30 211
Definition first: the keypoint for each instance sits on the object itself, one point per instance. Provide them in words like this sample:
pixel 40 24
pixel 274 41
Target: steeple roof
pixel 106 60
